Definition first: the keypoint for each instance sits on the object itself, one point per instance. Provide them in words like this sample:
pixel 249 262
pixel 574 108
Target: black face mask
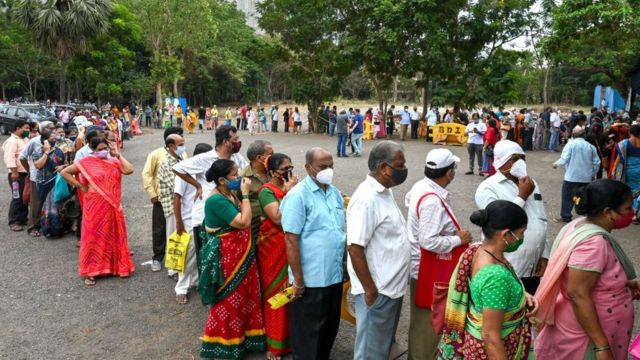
pixel 399 176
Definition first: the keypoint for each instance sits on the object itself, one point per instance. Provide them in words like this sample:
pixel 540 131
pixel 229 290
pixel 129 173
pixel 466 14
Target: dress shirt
pixel 33 145
pixel 166 183
pixel 556 121
pixel 376 223
pixel 405 118
pixel 414 115
pixel 197 167
pixel 318 218
pixel 580 160
pixel 188 194
pixel 475 138
pixel 432 118
pixel 536 244
pixel 433 230
pixel 150 171
pixel 12 148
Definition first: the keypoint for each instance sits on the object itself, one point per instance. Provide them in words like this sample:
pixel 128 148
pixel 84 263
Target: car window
pixel 11 111
pixel 22 114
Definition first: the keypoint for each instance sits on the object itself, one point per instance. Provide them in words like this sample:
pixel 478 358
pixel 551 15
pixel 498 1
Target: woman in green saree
pixel 228 272
pixel 487 307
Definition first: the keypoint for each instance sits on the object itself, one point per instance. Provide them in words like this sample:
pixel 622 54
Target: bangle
pixel 601 349
pixel 298 287
pixel 245 197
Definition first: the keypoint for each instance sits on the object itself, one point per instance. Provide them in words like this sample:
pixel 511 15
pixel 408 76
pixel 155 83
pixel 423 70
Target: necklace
pixel 505 264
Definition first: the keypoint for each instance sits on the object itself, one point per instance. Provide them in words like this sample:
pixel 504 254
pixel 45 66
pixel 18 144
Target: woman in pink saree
pixel 104 249
pixel 585 297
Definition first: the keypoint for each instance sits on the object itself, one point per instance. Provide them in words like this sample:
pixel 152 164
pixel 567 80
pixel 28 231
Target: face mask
pixel 102 154
pixel 623 221
pixel 398 176
pixel 286 176
pixel 325 176
pixel 235 146
pixel 519 169
pixel 59 137
pixel 234 184
pixel 511 247
pixel 73 138
pixel 52 143
pixel 180 150
pixel 25 134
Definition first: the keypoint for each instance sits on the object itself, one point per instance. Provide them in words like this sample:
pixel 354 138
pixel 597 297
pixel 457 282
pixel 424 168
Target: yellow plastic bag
pixel 176 255
pixel 281 299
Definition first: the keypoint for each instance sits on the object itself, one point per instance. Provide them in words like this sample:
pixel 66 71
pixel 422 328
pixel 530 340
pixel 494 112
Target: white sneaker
pixel 156 266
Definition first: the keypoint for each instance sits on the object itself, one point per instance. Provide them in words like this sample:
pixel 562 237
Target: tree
pixel 597 37
pixel 64 28
pixel 173 29
pixel 309 30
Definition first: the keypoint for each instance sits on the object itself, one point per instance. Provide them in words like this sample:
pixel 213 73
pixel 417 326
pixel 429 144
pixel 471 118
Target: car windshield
pixel 36 111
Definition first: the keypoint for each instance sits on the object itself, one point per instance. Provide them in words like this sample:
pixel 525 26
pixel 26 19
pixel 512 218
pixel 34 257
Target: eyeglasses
pixel 287 169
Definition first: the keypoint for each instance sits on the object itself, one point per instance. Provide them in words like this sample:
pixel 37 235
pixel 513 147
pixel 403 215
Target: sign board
pixel 448 134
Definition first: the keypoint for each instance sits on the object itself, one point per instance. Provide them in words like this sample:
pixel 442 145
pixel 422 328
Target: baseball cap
pixel 440 159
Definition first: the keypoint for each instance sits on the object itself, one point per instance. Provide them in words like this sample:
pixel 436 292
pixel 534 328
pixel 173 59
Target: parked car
pixel 10 114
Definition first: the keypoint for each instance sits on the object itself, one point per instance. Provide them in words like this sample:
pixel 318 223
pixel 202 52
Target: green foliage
pixel 597 37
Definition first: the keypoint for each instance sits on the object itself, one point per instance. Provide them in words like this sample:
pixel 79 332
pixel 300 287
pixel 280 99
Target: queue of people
pixel 255 231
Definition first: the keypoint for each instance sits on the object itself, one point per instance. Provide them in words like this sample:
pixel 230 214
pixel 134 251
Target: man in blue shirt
pixel 405 121
pixel 582 163
pixel 313 219
pixel 356 129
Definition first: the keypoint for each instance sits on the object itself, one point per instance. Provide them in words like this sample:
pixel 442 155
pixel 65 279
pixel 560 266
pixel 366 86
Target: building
pixel 248 7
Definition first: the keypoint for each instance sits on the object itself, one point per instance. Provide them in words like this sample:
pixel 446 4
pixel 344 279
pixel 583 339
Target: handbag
pixel 60 189
pixel 177 246
pixel 436 269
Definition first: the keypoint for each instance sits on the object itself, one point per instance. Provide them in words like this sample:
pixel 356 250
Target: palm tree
pixel 64 28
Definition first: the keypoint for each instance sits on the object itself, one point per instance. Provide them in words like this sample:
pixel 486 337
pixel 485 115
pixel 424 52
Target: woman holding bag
pixel 586 307
pixel 49 160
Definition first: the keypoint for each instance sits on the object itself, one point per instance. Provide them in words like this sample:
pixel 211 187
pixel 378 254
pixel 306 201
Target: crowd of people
pixel 257 231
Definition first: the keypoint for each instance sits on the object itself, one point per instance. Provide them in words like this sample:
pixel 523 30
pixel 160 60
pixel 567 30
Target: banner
pixel 448 134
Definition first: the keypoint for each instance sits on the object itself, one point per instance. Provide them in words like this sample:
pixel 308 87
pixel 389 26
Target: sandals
pixel 16 228
pixel 90 281
pixel 182 299
pixel 271 356
pixel 34 233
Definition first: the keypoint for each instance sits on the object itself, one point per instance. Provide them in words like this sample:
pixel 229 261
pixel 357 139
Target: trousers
pixel 415 124
pixel 356 142
pixel 342 144
pixel 314 320
pixel 376 327
pixel 475 151
pixel 569 190
pixel 423 341
pixel 18 211
pixel 35 207
pixel 158 232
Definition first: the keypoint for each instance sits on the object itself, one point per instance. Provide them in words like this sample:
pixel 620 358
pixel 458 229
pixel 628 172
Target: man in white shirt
pixel 431 227
pixel 475 131
pixel 511 182
pixel 414 115
pixel 193 170
pixel 556 122
pixel 184 197
pixel 379 257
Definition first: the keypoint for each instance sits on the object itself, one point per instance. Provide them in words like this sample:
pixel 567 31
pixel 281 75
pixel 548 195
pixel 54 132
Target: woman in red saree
pixel 228 272
pixel 103 246
pixel 272 253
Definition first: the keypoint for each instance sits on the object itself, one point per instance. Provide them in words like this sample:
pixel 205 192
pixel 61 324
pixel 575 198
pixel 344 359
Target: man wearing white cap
pixel 437 241
pixel 511 183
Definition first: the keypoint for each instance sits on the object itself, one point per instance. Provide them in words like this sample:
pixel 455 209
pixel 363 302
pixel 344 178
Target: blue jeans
pixel 356 141
pixel 342 144
pixel 553 141
pixel 376 327
pixel 332 128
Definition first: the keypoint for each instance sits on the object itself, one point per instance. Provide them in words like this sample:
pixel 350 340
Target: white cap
pixel 440 159
pixel 504 150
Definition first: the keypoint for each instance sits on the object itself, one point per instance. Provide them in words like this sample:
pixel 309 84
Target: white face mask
pixel 325 176
pixel 519 169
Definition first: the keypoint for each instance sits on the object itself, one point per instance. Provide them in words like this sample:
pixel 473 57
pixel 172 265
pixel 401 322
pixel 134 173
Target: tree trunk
pixel 395 89
pixel 63 81
pixel 159 93
pixel 379 93
pixel 175 88
pixel 426 95
pixel 545 87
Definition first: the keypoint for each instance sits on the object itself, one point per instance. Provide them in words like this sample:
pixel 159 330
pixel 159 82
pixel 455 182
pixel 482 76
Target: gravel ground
pixel 49 313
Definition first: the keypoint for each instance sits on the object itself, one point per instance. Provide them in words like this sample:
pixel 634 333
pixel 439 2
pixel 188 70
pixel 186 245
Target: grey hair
pixel 257 148
pixel 43 126
pixel 383 153
pixel 311 154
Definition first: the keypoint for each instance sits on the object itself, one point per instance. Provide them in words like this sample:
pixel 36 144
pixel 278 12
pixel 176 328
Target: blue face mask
pixel 73 138
pixel 234 184
pixel 180 150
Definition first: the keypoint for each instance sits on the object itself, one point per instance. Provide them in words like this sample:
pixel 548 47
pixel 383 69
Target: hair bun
pixel 480 217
